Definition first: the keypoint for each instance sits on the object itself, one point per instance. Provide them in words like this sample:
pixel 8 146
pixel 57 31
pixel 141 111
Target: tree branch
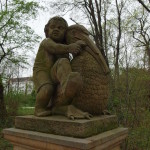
pixel 142 3
pixel 137 38
pixel 5 36
pixel 73 21
pixel 6 22
pixel 4 53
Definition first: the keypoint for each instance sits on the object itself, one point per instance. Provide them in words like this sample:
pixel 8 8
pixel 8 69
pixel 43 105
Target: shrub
pixel 14 100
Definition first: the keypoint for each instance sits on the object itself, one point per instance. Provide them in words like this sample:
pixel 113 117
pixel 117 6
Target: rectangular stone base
pixel 32 140
pixel 60 125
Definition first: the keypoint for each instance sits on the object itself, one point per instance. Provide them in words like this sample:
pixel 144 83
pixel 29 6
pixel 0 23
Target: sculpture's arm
pixel 57 48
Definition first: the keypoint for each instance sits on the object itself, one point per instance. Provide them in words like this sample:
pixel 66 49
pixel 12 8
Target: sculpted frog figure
pixel 93 96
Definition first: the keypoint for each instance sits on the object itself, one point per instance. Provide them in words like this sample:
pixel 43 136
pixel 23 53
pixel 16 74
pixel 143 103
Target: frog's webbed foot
pixel 43 113
pixel 106 112
pixel 75 113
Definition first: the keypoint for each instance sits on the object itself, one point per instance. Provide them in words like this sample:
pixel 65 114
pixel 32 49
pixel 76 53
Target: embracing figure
pixel 76 88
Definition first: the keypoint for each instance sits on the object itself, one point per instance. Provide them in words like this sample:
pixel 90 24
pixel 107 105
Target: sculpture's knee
pixel 60 70
pixel 63 62
pixel 45 92
pixel 43 100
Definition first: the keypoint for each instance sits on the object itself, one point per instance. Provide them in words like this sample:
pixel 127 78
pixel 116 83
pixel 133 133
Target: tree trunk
pixel 3 112
pixel 148 52
pixel 94 9
pixel 118 43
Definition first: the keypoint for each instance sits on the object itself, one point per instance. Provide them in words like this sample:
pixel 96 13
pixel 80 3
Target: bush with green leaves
pixel 15 100
pixel 131 103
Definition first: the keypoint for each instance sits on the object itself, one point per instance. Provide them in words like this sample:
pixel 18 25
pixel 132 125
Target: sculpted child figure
pixel 52 67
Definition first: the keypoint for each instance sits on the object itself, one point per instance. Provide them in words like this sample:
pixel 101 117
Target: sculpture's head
pixel 76 32
pixel 56 29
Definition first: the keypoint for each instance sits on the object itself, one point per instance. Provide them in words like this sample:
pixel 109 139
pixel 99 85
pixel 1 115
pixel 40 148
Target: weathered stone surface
pixel 82 82
pixel 60 125
pixel 31 140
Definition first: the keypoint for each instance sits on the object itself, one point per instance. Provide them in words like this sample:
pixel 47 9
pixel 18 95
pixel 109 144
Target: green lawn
pixel 25 111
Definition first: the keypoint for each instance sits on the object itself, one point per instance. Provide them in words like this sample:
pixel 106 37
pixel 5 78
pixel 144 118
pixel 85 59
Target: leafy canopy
pixel 16 37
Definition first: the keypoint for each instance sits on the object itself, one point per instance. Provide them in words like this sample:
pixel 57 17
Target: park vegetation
pixel 121 31
pixel 16 39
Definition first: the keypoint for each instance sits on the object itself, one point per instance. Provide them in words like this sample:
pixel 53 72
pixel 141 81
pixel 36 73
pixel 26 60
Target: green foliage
pixel 17 104
pixel 15 34
pixel 16 39
pixel 139 136
pixel 26 111
pixel 14 101
pixel 4 144
pixel 131 102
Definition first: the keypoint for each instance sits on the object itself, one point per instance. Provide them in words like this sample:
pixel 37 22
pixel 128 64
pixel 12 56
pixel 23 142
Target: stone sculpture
pixel 52 66
pixel 82 90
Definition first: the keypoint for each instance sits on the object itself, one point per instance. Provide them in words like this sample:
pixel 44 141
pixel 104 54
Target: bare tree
pixel 142 34
pixel 119 8
pixel 3 112
pixel 94 11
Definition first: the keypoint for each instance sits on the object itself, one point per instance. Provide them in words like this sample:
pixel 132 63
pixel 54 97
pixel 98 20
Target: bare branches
pixel 119 22
pixel 98 9
pixel 73 20
pixel 6 6
pixel 6 34
pixel 137 38
pixel 93 9
pixel 2 56
pixel 95 18
pixel 142 30
pixel 141 34
pixel 144 5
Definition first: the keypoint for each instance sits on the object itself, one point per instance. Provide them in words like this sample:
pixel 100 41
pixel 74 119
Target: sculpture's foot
pixel 72 85
pixel 106 112
pixel 71 112
pixel 75 113
pixel 42 113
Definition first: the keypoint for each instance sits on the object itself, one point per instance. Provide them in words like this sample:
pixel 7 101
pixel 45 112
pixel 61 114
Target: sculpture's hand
pixel 74 48
pixel 81 43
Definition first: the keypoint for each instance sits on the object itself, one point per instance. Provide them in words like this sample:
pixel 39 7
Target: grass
pixel 25 111
pixel 4 144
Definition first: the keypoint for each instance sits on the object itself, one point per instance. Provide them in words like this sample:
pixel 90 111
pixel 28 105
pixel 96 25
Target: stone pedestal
pixel 60 125
pixel 91 134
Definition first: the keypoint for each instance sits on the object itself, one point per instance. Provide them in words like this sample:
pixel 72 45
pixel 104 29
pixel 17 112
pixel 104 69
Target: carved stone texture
pixel 93 96
pixel 62 126
pixel 76 89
